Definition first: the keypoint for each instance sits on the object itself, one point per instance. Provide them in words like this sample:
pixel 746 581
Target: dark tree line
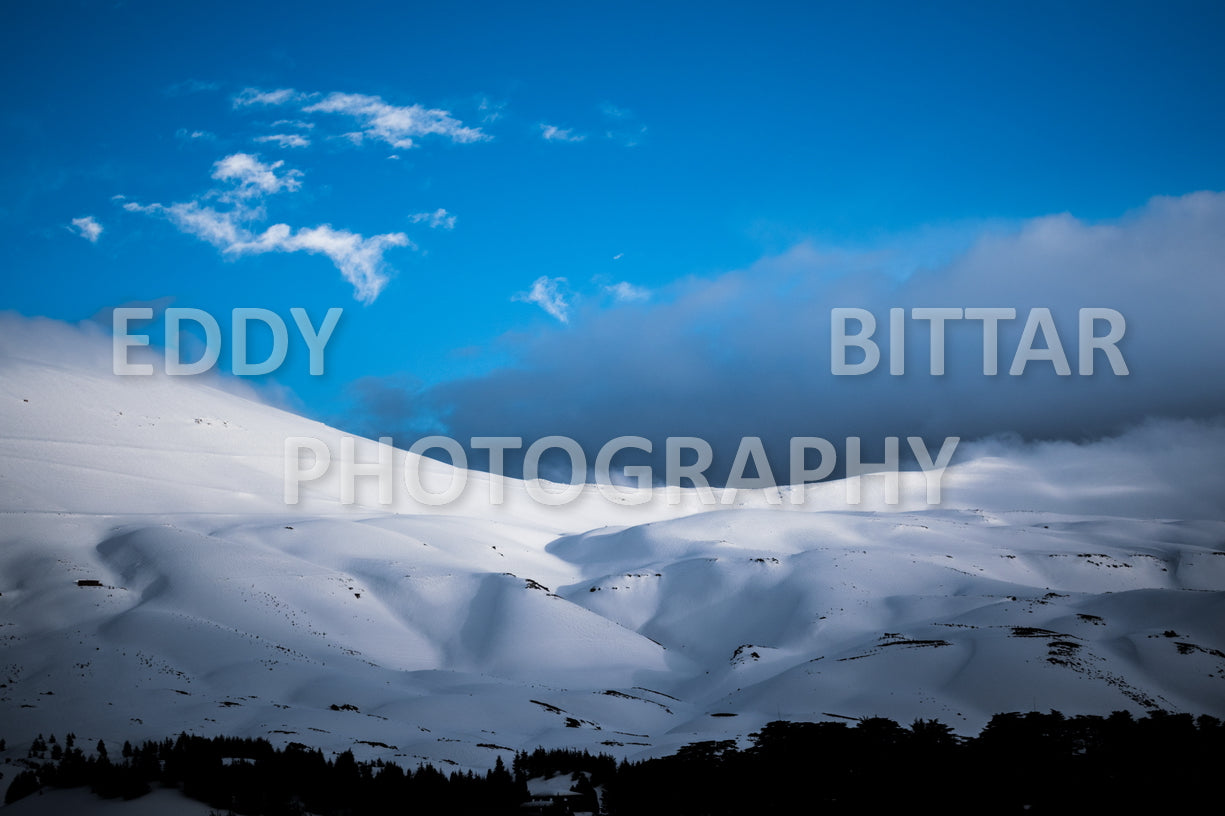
pixel 1031 763
pixel 1019 763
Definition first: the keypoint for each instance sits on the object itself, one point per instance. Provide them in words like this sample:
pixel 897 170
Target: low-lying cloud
pixel 747 353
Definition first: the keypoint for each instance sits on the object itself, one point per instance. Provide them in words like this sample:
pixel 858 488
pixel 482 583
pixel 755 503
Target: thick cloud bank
pixel 1159 468
pixel 748 353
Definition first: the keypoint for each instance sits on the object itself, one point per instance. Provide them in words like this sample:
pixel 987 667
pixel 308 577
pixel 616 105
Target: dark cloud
pixel 396 405
pixel 748 353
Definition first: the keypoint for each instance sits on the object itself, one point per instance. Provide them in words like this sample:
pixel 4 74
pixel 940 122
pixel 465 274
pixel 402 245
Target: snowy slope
pixel 1083 578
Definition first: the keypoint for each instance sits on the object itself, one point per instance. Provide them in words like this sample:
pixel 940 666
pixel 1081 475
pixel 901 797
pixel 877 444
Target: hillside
pixel 153 580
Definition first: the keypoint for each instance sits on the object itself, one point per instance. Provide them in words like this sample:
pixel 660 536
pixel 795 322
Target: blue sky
pixel 489 189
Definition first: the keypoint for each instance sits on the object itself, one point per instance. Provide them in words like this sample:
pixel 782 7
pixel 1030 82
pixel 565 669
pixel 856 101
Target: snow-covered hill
pixel 1083 578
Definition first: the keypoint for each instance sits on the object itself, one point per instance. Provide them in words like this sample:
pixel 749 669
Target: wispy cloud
pixel 623 125
pixel 396 125
pixel 359 259
pixel 550 295
pixel 87 227
pixel 285 139
pixel 613 112
pixel 231 215
pixel 552 133
pixel 220 229
pixel 490 111
pixel 438 219
pixel 400 126
pixel 254 96
pixel 624 292
pixel 252 177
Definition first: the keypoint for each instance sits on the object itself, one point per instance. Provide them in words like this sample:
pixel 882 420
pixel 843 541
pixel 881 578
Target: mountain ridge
pixel 459 633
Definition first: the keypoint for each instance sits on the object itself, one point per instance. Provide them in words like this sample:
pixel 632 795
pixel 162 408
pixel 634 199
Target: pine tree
pixel 23 785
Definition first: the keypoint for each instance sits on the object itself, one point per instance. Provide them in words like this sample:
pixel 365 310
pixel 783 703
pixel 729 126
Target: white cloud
pixel 87 227
pixel 285 139
pixel 218 228
pixel 224 216
pixel 548 294
pixel 396 125
pixel 629 138
pixel 359 259
pixel 552 133
pixel 625 292
pixel 253 177
pixel 438 218
pixel 195 135
pixel 254 96
pixel 490 111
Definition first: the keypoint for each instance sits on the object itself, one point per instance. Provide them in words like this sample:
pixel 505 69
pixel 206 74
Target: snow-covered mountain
pixel 153 580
